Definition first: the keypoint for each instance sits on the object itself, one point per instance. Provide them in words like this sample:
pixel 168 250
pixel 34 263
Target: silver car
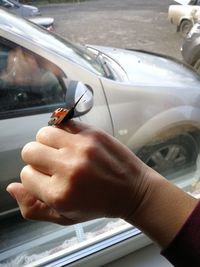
pixel 20 9
pixel 149 102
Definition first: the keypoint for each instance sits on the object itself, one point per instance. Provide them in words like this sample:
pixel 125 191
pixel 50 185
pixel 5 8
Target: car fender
pixel 190 18
pixel 165 124
pixel 194 16
pixel 177 13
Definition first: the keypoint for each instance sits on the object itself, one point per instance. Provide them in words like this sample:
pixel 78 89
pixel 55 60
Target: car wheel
pixel 196 66
pixel 185 27
pixel 172 155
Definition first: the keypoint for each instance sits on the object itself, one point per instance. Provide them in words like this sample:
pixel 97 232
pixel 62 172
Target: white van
pixel 20 9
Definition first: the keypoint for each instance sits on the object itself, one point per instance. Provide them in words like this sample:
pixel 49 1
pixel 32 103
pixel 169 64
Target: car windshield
pixel 76 53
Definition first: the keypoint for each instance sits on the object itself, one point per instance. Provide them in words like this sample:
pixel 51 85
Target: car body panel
pixel 166 105
pixel 143 68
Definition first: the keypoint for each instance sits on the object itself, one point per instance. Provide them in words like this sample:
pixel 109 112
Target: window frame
pixel 40 109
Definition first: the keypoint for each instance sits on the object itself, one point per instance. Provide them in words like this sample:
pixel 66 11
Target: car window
pixel 27 80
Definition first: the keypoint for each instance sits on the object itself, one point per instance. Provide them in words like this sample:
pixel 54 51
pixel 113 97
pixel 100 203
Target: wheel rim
pixel 168 157
pixel 185 27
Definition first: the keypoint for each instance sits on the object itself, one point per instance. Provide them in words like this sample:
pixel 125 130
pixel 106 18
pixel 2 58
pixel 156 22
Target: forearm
pixel 163 211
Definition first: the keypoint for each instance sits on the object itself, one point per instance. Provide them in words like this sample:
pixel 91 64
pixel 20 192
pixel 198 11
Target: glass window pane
pixel 27 80
pixel 151 101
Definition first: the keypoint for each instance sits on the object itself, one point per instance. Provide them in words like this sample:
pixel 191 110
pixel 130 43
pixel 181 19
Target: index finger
pixel 58 137
pixel 40 156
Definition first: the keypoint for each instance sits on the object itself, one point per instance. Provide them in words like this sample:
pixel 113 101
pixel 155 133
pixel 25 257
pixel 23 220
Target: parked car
pixel 30 12
pixel 46 22
pixel 188 2
pixel 183 17
pixel 191 47
pixel 20 9
pixel 194 2
pixel 149 102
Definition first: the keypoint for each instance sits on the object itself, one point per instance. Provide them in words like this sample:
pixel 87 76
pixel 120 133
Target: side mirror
pixel 75 91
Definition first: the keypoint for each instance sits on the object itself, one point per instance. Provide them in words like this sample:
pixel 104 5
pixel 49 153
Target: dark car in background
pixel 194 2
pixel 191 47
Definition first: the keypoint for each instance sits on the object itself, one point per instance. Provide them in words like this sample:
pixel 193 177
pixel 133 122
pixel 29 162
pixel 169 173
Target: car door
pixel 31 87
pixel 29 92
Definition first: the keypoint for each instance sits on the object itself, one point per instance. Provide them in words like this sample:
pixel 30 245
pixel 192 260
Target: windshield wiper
pixel 105 65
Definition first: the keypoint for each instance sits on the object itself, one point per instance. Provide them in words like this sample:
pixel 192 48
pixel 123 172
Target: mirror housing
pixel 75 90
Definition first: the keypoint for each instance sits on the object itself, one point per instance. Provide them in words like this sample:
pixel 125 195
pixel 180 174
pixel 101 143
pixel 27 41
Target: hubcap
pixel 167 157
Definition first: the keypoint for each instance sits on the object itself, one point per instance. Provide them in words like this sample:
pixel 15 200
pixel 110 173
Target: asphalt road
pixel 120 23
pixel 137 24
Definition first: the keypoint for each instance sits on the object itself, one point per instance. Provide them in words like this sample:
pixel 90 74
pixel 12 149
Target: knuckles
pixel 24 171
pixel 27 150
pixel 93 143
pixel 43 134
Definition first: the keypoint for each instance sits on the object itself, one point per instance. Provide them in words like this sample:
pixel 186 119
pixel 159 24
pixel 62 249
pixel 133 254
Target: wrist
pixel 163 209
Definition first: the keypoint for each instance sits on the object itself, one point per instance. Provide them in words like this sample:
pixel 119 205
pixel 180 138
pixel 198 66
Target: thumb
pixel 32 208
pixel 18 192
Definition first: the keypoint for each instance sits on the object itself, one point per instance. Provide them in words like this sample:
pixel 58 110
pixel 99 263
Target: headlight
pixel 36 11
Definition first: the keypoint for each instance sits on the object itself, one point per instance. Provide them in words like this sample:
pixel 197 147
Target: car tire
pixel 185 27
pixel 171 156
pixel 196 66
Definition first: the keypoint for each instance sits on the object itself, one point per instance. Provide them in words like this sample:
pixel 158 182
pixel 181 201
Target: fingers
pixel 61 136
pixel 34 209
pixel 40 156
pixel 53 137
pixel 35 182
pixel 74 127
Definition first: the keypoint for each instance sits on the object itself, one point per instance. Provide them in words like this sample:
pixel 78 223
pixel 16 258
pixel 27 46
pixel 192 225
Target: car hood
pixel 142 67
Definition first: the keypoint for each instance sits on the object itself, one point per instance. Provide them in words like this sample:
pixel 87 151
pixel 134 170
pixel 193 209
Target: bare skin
pixel 79 173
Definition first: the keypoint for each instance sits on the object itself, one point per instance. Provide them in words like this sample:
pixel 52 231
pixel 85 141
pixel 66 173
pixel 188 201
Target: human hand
pixel 79 173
